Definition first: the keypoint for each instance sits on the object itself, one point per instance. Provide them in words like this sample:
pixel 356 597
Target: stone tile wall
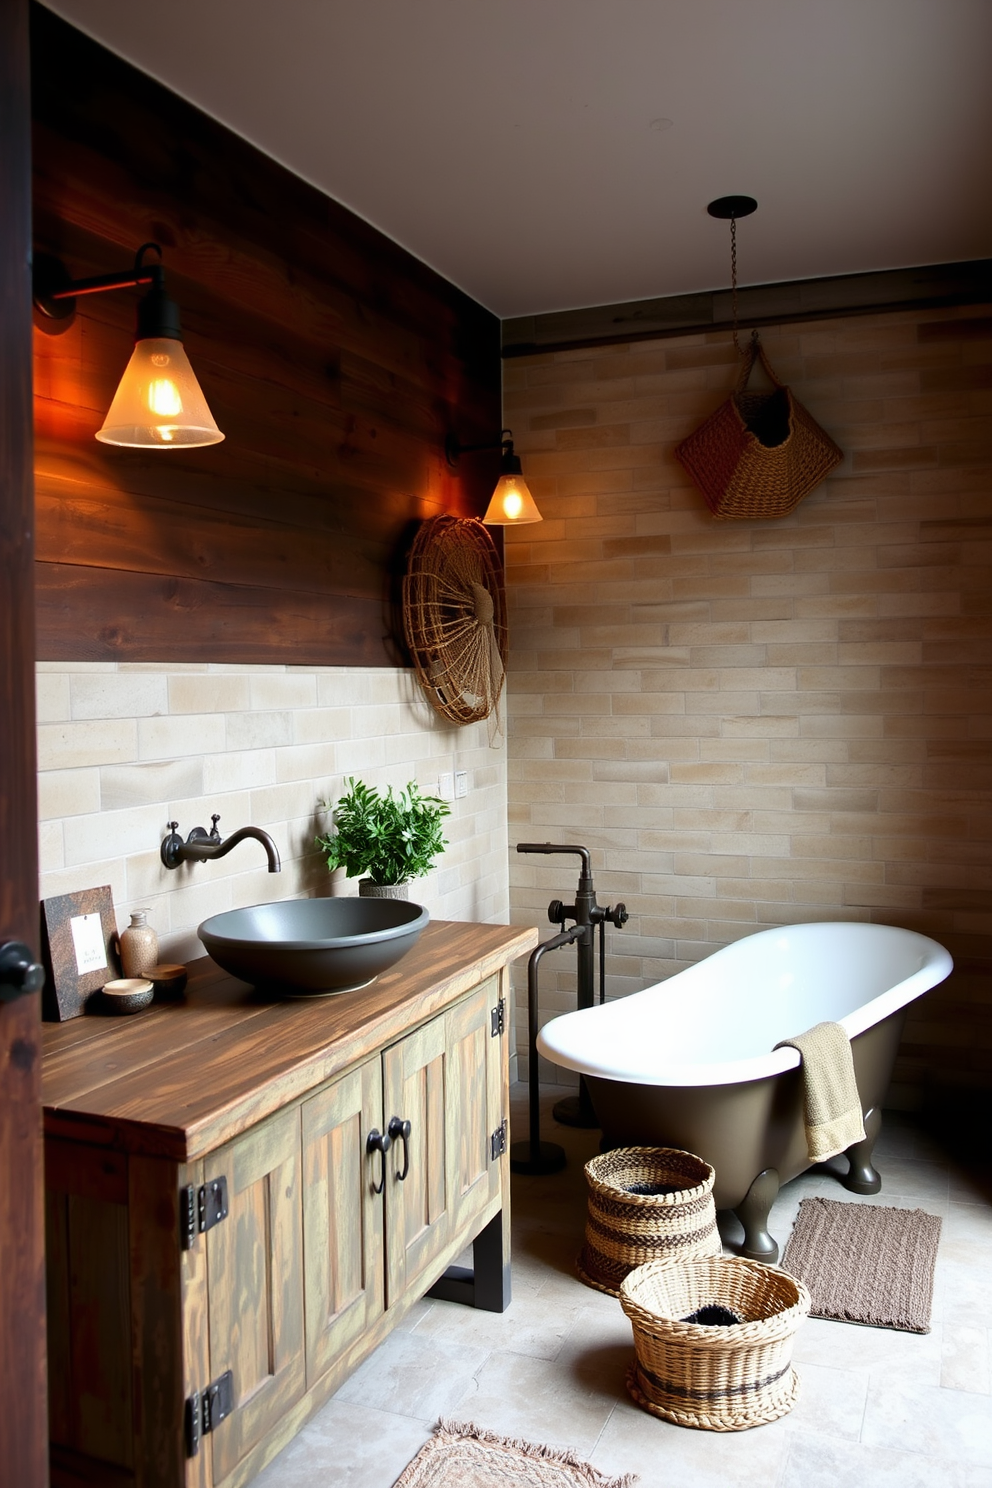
pixel 125 748
pixel 762 722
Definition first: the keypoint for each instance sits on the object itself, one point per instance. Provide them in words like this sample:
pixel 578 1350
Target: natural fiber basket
pixel 624 1229
pixel 759 454
pixel 719 1378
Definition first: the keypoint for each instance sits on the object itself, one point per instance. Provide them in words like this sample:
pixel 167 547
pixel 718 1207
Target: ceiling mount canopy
pixel 732 206
pixel 159 403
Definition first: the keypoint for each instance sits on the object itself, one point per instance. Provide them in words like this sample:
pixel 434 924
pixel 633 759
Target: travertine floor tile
pixel 565 1402
pixel 416 1376
pixel 348 1446
pixel 668 1456
pixel 824 1462
pixel 947 1424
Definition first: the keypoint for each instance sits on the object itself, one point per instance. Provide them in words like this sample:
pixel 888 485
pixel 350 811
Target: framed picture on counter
pixel 78 935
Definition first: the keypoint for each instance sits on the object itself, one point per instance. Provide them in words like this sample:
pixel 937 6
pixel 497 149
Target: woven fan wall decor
pixel 454 617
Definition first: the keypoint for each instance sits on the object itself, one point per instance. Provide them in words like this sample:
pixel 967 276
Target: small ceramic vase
pixel 139 946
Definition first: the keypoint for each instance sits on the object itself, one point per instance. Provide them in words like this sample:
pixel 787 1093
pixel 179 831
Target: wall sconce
pixel 159 403
pixel 511 504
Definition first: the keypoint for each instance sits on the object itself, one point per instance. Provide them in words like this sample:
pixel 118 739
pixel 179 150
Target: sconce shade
pixel 511 504
pixel 159 403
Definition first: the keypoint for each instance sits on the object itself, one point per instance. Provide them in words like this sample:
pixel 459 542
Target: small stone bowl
pixel 169 980
pixel 128 995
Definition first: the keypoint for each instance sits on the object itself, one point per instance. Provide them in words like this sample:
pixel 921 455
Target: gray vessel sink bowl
pixel 312 947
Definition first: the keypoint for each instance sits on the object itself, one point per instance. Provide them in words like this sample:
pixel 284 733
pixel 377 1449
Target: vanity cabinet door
pixel 255 1285
pixel 417 1219
pixel 342 1216
pixel 446 1080
pixel 473 1105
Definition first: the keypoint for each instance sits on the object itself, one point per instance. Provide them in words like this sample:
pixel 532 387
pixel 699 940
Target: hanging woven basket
pixel 759 454
pixel 454 617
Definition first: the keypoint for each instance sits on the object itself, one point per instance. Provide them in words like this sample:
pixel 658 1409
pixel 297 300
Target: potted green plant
pixel 389 839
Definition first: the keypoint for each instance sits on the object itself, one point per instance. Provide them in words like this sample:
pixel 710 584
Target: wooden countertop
pixel 181 1078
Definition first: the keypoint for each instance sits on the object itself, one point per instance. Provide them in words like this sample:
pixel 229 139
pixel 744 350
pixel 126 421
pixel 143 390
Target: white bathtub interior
pixel 718 1021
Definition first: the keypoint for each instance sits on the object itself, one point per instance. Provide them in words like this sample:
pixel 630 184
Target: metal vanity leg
pixel 487 1284
pixel 753 1214
pixel 862 1177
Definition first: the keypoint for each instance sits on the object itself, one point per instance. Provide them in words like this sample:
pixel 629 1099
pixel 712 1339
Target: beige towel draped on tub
pixel 831 1103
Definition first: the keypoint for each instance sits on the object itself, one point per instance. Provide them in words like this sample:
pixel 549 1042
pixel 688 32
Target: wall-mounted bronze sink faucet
pixel 202 846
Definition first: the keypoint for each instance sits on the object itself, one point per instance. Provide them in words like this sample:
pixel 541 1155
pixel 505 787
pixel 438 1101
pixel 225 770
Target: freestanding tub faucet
pixel 535 1156
pixel 202 846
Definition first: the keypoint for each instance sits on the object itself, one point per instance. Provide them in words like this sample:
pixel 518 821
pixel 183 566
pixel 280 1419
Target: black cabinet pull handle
pixel 399 1130
pixel 378 1142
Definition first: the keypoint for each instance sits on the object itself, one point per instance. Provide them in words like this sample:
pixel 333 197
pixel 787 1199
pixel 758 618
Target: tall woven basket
pixel 625 1229
pixel 759 454
pixel 718 1378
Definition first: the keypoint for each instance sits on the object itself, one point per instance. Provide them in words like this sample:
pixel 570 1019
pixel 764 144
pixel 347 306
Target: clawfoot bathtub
pixel 691 1063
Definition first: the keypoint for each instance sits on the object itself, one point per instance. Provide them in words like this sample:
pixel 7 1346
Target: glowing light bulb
pixel 163 398
pixel 513 503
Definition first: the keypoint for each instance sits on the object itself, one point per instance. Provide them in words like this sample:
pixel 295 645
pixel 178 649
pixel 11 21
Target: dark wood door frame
pixel 23 1423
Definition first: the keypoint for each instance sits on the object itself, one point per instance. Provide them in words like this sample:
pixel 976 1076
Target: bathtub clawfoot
pixel 862 1177
pixel 753 1212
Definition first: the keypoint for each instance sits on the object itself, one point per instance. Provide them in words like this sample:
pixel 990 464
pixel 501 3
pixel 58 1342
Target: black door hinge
pixel 205 1409
pixel 200 1209
pixel 499 1018
pixel 497 1142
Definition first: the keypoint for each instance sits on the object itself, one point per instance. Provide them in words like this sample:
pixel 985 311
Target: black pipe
pixel 577 1110
pixel 535 1156
pixel 587 914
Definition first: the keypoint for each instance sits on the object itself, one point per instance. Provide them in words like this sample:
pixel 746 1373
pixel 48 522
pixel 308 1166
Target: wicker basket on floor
pixel 718 1378
pixel 625 1230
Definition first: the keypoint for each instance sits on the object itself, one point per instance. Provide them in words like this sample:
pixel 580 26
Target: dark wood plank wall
pixel 24 1424
pixel 334 362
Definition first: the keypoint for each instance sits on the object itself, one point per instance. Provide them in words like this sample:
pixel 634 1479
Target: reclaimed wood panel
pixel 101 1422
pixel 419 1225
pixel 334 362
pixel 474 1102
pixel 255 1285
pixel 156 1266
pixel 342 1216
pixel 23 1438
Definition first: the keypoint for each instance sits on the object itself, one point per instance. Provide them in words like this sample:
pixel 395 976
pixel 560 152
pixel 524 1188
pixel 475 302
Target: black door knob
pixel 399 1130
pixel 380 1142
pixel 20 973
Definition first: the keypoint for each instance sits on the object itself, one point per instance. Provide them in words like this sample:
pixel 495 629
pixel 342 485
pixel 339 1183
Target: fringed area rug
pixel 864 1263
pixel 464 1456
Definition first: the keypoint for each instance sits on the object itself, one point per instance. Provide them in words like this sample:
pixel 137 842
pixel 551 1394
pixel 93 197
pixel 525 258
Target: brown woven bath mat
pixel 864 1263
pixel 462 1456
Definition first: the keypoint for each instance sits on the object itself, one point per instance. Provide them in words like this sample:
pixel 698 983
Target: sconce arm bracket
pixel 55 293
pixel 453 447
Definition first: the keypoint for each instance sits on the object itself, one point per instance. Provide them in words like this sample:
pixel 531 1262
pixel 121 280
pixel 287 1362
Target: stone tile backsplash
pixel 125 748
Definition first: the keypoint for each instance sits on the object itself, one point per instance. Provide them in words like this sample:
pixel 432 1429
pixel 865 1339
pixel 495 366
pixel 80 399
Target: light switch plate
pixel 461 784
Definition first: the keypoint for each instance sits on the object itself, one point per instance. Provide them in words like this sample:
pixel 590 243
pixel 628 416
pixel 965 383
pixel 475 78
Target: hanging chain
pixel 733 279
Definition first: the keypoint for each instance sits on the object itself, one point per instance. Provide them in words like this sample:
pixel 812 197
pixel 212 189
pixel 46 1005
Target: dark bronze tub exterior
pixel 752 1132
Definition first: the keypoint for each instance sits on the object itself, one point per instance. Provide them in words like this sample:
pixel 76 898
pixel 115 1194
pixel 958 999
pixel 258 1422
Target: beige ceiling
pixel 551 154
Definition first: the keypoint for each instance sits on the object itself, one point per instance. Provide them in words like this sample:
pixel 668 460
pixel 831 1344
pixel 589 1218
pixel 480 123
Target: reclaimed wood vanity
pixel 244 1196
